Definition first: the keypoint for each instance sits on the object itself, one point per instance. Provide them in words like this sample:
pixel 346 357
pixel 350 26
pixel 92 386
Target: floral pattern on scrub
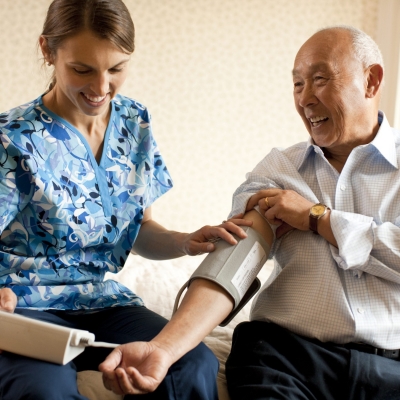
pixel 65 220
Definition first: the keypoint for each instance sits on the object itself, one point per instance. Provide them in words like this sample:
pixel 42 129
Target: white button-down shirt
pixel 345 294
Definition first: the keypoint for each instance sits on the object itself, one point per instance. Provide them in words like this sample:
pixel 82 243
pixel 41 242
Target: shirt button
pixel 343 187
pixel 360 310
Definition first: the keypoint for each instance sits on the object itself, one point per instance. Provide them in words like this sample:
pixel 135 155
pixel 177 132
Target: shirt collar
pixel 310 148
pixel 384 142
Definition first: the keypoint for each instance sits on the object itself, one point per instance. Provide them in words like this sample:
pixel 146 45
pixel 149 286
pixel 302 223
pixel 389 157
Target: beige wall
pixel 216 76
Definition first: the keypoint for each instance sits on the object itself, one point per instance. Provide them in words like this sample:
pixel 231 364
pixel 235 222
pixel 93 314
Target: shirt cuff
pixel 355 239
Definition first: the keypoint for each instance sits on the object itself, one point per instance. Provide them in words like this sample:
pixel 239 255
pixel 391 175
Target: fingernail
pixel 209 247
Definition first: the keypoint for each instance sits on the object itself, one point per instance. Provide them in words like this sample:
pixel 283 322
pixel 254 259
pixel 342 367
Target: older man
pixel 328 325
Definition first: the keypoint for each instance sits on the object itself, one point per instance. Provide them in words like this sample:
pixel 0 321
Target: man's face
pixel 330 91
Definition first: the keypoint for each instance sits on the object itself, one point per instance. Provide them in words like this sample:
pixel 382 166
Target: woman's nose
pixel 100 84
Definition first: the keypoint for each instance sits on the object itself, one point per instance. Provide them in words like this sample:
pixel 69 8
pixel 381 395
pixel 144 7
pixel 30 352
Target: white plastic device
pixel 43 340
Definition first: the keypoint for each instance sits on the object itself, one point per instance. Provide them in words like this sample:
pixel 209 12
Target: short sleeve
pixel 16 179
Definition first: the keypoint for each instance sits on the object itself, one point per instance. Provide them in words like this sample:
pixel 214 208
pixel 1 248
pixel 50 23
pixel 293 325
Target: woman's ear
pixel 374 78
pixel 45 50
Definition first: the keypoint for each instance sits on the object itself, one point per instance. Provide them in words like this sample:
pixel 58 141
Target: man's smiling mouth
pixel 315 121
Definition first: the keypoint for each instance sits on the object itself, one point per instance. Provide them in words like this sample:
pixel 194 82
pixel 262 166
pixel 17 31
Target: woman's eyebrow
pixel 81 64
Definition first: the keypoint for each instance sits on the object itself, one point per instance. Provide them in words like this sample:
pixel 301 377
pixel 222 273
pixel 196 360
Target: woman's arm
pixel 158 243
pixel 139 367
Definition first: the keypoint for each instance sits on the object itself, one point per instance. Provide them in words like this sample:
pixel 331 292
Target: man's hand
pixel 135 368
pixel 285 208
pixel 201 241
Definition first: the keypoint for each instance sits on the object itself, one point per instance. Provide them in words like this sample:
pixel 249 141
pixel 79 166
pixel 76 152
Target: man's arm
pixel 289 210
pixel 139 367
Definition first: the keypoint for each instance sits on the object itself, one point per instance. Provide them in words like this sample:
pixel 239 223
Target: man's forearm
pixel 204 306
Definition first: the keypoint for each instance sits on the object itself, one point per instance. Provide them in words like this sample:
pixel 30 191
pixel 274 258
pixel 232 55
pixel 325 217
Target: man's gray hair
pixel 365 48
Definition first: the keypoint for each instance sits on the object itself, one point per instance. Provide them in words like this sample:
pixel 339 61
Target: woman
pixel 79 170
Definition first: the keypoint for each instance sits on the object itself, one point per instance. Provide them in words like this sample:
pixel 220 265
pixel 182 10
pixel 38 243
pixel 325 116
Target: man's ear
pixel 374 78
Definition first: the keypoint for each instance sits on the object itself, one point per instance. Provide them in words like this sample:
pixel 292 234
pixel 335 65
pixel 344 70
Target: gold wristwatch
pixel 317 211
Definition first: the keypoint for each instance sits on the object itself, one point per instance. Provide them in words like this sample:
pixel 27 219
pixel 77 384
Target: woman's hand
pixel 158 243
pixel 8 300
pixel 202 240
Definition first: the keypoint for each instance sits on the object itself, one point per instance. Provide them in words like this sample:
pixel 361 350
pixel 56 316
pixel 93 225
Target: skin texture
pixel 337 99
pixel 89 72
pixel 138 368
pixel 329 82
pixel 8 301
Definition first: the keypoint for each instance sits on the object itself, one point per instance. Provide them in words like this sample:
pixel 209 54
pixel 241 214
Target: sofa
pixel 157 282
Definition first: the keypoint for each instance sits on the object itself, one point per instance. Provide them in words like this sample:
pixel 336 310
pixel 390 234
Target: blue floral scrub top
pixel 66 220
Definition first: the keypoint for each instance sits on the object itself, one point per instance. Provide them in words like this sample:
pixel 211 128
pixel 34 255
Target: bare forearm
pixel 139 367
pixel 157 243
pixel 204 306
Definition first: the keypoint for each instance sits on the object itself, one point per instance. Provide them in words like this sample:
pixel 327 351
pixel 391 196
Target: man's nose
pixel 307 96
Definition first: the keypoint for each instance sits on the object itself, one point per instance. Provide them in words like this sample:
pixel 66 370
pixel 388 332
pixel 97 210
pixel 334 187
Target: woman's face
pixel 89 72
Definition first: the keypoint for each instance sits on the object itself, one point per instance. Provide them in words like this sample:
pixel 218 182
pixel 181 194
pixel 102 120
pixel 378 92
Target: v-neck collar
pixel 81 136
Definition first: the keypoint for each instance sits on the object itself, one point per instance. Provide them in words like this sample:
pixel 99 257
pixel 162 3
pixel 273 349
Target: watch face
pixel 318 209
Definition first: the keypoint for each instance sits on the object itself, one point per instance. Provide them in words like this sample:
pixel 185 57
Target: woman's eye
pixel 81 71
pixel 115 70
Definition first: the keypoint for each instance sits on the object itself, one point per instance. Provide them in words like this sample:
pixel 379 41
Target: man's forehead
pixel 311 67
pixel 324 51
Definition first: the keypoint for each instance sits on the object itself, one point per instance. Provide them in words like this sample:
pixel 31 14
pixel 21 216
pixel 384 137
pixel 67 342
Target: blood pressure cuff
pixel 234 268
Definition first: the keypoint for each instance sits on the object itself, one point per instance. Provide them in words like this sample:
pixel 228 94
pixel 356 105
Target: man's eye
pixel 297 86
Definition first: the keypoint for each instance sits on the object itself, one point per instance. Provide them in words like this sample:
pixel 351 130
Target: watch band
pixel 314 224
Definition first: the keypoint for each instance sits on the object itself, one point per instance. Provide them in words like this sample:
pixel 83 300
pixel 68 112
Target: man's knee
pixel 203 358
pixel 194 376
